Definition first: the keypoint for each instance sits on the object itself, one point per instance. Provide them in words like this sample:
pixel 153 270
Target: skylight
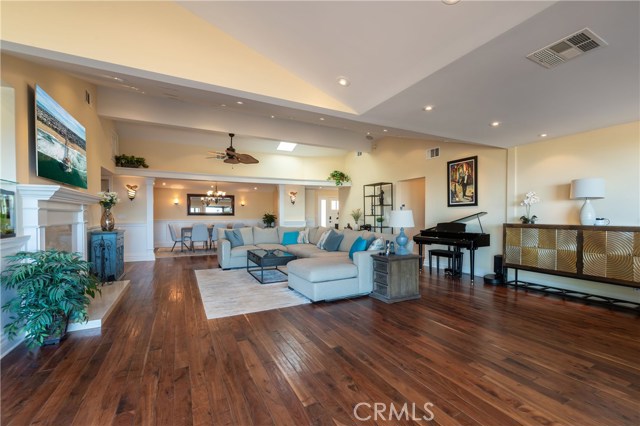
pixel 287 146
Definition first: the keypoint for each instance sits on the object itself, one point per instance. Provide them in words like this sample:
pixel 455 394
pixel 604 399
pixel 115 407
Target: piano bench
pixel 451 255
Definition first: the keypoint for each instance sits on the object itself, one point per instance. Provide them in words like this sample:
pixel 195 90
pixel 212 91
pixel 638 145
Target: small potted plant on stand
pixel 269 220
pixel 53 288
pixel 356 215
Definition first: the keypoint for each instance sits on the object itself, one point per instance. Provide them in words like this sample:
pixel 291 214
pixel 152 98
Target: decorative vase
pixel 107 221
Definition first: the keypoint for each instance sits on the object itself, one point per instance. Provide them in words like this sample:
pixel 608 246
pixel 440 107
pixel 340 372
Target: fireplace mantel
pixel 41 206
pixel 56 193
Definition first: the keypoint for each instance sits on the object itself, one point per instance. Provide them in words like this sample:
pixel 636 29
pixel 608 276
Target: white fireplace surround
pixel 46 205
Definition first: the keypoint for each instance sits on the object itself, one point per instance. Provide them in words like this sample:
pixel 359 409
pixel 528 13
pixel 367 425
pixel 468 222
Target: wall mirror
pixel 201 205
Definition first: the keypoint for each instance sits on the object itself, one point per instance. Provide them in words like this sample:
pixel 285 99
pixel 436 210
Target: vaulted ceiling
pixel 268 71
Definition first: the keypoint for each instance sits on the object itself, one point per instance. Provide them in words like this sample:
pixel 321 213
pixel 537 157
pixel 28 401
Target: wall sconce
pixel 131 191
pixel 242 203
pixel 176 202
pixel 292 196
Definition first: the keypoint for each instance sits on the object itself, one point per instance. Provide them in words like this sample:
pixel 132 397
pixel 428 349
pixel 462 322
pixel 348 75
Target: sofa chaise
pixel 336 271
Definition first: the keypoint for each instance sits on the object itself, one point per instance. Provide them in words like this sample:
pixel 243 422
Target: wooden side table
pixel 395 278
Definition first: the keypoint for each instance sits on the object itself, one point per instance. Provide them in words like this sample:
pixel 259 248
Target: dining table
pixel 185 231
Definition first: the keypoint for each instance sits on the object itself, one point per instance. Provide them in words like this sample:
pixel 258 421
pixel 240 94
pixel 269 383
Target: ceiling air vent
pixel 433 153
pixel 568 48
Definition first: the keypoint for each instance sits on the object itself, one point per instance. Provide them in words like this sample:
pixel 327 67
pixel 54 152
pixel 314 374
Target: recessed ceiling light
pixel 273 116
pixel 385 130
pixel 495 124
pixel 255 188
pixel 450 2
pixel 543 135
pixel 110 77
pixel 287 146
pixel 321 118
pixel 240 102
pixel 428 108
pixel 164 183
pixel 223 105
pixel 343 81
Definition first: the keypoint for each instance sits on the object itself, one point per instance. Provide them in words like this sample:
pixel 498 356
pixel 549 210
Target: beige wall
pixel 411 193
pixel 130 211
pixel 395 160
pixel 185 158
pixel 256 205
pixel 69 92
pixel 291 214
pixel 548 168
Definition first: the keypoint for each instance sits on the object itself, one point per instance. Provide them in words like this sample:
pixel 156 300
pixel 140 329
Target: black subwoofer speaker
pixel 500 272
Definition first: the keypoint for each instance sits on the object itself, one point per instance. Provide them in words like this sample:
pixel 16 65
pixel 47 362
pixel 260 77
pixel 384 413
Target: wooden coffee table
pixel 268 261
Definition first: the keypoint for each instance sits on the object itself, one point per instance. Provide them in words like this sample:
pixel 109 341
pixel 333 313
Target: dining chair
pixel 214 234
pixel 175 238
pixel 199 234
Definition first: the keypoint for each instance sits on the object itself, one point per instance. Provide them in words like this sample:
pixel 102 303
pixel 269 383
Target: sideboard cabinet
pixel 107 254
pixel 608 254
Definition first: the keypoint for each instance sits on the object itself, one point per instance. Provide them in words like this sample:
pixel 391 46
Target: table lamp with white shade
pixel 401 219
pixel 587 189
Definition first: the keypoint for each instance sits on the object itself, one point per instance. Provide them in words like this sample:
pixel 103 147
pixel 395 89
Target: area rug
pixel 236 292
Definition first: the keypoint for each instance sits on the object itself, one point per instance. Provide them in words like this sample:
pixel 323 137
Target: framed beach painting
pixel 462 182
pixel 61 143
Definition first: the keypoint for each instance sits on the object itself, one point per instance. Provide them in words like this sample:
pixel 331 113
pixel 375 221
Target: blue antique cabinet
pixel 107 254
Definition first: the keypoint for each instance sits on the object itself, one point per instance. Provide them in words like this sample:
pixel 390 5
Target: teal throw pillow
pixel 290 238
pixel 333 241
pixel 234 237
pixel 358 245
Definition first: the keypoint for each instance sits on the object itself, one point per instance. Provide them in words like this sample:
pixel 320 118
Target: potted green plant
pixel 380 219
pixel 269 220
pixel 130 161
pixel 52 288
pixel 339 177
pixel 356 214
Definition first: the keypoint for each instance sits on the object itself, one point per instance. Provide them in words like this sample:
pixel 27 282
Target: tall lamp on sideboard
pixel 587 189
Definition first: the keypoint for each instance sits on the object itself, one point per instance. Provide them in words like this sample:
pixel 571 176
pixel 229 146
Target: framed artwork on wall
pixel 462 182
pixel 60 142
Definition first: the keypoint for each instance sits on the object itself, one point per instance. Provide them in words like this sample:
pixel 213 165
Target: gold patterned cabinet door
pixel 594 253
pixel 513 246
pixel 567 250
pixel 611 254
pixel 605 254
pixel 636 257
pixel 544 248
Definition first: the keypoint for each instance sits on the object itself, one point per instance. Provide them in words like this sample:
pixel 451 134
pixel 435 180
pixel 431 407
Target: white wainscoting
pixel 162 238
pixel 9 247
pixel 136 247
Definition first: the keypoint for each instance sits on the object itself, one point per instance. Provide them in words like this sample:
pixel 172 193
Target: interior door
pixel 329 212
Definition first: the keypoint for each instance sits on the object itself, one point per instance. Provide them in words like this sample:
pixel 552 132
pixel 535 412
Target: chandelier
pixel 213 197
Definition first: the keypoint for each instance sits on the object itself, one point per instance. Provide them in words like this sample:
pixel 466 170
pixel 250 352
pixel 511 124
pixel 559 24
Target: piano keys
pixel 454 234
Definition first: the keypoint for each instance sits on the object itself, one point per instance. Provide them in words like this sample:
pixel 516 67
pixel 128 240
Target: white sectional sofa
pixel 318 274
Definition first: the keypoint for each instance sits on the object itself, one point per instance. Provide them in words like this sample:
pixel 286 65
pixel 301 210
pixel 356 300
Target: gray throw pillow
pixel 333 241
pixel 234 237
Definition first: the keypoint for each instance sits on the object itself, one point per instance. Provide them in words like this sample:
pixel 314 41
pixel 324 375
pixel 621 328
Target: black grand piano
pixel 454 234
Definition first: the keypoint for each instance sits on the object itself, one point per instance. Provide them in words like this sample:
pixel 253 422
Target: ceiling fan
pixel 231 156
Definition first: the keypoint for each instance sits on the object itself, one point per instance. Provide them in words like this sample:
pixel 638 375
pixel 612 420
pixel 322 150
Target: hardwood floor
pixel 480 355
